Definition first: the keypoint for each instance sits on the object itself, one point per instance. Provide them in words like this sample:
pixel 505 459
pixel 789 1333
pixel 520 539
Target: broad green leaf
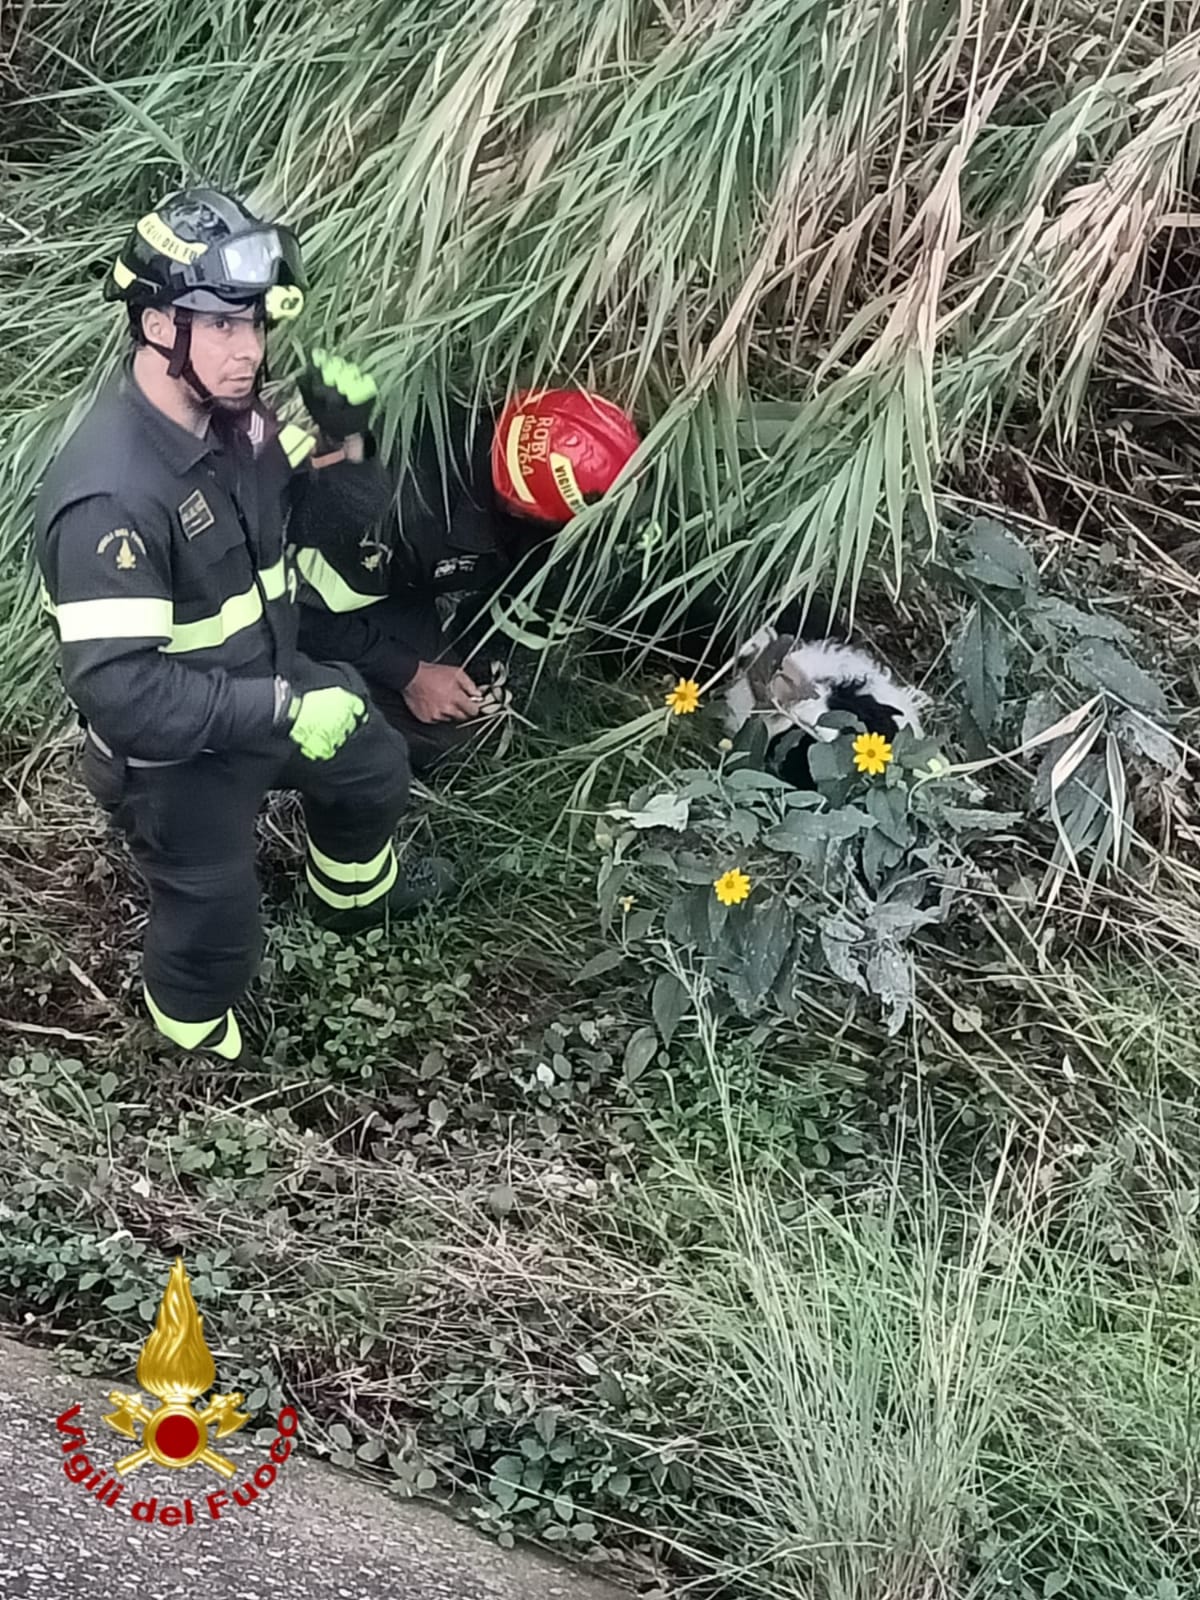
pixel 841 955
pixel 604 962
pixel 660 811
pixel 999 549
pixel 830 761
pixel 1149 740
pixel 508 1469
pixel 1042 712
pixel 800 830
pixel 687 919
pixel 888 809
pixel 1084 624
pixel 669 1004
pixel 639 1053
pixel 889 977
pixel 748 778
pixel 980 661
pixel 1097 664
pixel 746 825
pixel 766 941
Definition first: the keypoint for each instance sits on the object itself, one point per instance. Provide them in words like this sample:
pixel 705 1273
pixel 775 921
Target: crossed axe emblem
pixel 222 1413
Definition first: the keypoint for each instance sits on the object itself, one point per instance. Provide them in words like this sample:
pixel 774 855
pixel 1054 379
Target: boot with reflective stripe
pixel 222 1035
pixel 348 897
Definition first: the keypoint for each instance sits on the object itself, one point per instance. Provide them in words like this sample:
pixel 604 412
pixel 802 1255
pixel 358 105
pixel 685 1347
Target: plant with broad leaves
pixel 763 891
pixel 1028 660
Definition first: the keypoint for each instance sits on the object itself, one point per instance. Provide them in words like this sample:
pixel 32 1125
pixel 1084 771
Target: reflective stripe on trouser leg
pixel 349 885
pixel 198 1035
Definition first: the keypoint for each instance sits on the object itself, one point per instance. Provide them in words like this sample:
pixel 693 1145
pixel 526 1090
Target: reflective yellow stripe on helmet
pixel 330 585
pixel 167 242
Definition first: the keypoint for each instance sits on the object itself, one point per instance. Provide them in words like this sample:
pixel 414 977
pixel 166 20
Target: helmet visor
pixel 254 262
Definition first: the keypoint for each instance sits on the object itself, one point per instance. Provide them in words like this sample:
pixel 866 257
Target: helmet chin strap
pixel 179 358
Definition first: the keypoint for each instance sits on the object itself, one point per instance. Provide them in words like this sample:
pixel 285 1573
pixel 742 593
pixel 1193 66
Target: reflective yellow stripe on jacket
pixel 111 619
pixel 81 620
pixel 239 611
pixel 329 583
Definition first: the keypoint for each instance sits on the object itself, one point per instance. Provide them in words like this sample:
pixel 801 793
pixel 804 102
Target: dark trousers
pixel 190 828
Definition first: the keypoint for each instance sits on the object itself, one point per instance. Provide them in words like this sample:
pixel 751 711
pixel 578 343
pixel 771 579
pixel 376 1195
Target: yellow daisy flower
pixel 872 753
pixel 684 697
pixel 732 887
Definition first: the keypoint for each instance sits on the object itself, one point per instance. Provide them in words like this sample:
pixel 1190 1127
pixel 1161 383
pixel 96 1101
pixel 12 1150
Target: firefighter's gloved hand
pixel 323 719
pixel 340 397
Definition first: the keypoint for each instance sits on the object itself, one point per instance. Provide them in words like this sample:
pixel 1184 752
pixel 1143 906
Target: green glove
pixel 339 396
pixel 322 720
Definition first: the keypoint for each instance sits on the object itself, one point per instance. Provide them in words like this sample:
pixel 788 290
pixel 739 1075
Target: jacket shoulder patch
pixel 195 515
pixel 125 539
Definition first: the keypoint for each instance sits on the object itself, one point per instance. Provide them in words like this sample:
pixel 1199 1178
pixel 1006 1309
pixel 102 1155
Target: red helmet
pixel 556 450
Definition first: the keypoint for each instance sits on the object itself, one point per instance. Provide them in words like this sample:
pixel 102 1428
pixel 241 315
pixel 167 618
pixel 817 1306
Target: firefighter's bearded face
pixel 226 350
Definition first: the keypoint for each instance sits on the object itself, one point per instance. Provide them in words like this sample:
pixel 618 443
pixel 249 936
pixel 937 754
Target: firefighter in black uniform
pixel 161 544
pixel 397 563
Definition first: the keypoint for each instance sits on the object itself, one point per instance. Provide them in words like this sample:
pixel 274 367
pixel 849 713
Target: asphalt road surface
pixel 313 1533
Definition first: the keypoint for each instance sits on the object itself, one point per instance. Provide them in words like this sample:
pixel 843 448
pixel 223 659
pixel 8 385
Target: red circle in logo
pixel 177 1436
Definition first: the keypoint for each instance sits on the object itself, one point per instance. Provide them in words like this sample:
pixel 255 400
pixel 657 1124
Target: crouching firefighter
pixel 397 562
pixel 160 539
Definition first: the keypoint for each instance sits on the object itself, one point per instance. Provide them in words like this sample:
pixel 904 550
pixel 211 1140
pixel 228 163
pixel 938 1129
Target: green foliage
pixel 730 219
pixel 1040 672
pixel 843 877
pixel 362 1000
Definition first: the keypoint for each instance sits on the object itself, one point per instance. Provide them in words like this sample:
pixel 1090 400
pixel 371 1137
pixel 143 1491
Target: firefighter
pixel 395 564
pixel 160 541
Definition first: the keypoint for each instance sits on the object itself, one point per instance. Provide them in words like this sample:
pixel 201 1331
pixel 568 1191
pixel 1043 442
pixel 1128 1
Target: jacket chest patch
pixel 195 515
pixel 455 567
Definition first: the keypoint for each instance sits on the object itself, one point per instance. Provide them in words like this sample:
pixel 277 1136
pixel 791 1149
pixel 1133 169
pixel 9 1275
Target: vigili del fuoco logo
pixel 177 1367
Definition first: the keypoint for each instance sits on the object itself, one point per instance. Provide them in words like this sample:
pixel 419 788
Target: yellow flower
pixel 732 887
pixel 872 753
pixel 626 903
pixel 684 697
pixel 725 746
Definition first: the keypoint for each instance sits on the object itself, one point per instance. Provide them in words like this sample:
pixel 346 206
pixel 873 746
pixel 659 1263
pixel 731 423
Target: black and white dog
pixel 790 683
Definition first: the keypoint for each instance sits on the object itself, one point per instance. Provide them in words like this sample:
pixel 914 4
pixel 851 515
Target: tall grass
pixel 900 221
pixel 927 1390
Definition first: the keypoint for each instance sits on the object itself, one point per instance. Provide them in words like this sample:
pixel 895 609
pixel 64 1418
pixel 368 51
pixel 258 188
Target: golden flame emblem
pixel 177 1366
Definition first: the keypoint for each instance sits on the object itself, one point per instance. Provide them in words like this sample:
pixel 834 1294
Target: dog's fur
pixel 792 683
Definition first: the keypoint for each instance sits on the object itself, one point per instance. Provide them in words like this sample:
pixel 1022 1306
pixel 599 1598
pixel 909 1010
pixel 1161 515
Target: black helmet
pixel 203 250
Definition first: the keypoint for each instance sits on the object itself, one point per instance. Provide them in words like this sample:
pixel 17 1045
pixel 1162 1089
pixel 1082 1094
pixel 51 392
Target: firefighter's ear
pixel 157 326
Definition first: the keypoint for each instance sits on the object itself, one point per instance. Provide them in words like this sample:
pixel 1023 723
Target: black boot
pixel 420 882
